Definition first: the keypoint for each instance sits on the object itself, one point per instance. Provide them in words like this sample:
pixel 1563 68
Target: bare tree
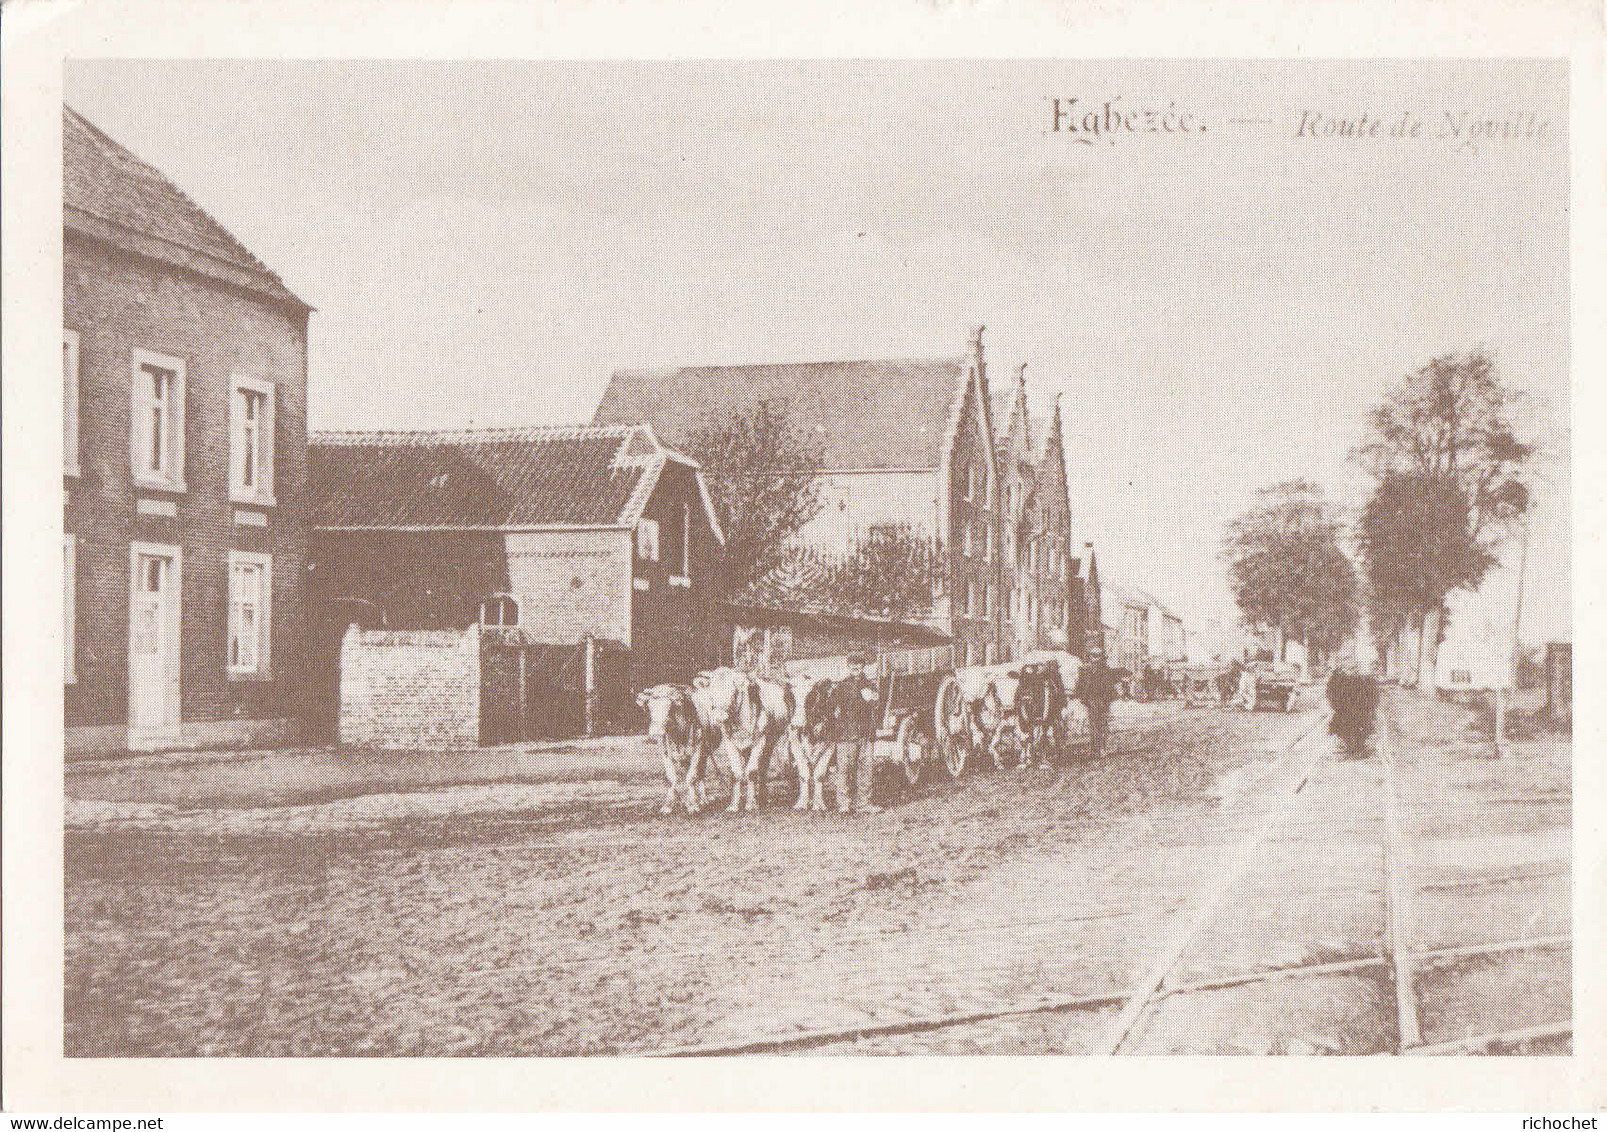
pixel 893 572
pixel 763 474
pixel 1450 474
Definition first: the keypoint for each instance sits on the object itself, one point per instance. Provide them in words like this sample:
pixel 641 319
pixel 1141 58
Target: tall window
pixel 987 542
pixel 69 401
pixel 965 541
pixel 69 576
pixel 157 441
pixel 970 483
pixel 251 441
pixel 647 540
pixel 250 595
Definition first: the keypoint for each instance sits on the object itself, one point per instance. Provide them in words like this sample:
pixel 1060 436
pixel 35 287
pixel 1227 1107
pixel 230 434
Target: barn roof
pixel 480 479
pixel 110 194
pixel 865 414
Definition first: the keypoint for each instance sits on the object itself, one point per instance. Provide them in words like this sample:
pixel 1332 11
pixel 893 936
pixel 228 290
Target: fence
pixel 903 661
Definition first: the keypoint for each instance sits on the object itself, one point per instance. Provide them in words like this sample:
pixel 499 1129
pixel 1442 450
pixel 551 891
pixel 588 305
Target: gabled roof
pixel 865 414
pixel 111 195
pixel 1007 413
pixel 488 479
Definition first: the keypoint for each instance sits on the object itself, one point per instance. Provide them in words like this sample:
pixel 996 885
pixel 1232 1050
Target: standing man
pixel 1096 688
pixel 854 711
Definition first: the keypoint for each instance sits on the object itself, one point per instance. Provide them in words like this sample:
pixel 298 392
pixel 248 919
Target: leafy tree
pixel 763 475
pixel 1288 570
pixel 1450 481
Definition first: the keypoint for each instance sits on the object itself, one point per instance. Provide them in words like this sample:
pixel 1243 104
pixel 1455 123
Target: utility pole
pixel 1512 653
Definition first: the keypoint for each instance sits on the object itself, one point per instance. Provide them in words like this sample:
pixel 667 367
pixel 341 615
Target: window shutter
pixel 270 441
pixel 177 425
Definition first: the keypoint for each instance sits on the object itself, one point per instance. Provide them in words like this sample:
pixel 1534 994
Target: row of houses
pixel 215 553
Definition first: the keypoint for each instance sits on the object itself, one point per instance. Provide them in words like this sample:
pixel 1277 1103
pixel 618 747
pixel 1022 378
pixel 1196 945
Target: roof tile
pixel 110 194
pixel 530 477
pixel 865 414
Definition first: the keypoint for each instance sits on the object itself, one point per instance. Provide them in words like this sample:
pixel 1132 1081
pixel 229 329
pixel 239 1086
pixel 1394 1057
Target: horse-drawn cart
pixel 1269 686
pixel 1205 684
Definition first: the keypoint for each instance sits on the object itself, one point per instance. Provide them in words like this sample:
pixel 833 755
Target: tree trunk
pixel 1428 647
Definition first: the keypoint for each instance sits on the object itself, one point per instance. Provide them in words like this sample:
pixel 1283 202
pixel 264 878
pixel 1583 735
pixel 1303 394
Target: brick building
pixel 566 533
pixel 1039 569
pixel 184 364
pixel 905 444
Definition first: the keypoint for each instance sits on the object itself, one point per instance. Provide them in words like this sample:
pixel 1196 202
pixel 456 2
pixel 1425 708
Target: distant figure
pixel 1354 700
pixel 1096 688
pixel 854 703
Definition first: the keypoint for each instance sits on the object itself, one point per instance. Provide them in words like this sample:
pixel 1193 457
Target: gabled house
pixel 565 533
pixel 184 379
pixel 906 443
pixel 1036 529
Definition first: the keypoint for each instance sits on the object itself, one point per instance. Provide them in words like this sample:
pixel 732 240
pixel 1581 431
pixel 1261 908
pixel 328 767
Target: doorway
pixel 153 645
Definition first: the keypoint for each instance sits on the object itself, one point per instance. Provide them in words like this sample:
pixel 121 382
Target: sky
pixel 485 242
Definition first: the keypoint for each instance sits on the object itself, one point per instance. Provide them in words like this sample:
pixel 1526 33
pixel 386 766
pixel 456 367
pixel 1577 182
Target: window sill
pixel 253 500
pixel 641 584
pixel 683 583
pixel 171 487
pixel 72 472
pixel 241 676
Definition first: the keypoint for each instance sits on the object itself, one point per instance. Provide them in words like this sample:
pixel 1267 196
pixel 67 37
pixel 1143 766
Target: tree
pixel 891 573
pixel 1288 570
pixel 763 475
pixel 1449 475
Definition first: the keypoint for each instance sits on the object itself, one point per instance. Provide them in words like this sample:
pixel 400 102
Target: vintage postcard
pixel 741 559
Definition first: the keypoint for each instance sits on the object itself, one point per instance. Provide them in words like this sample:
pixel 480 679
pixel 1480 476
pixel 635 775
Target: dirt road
pixel 555 916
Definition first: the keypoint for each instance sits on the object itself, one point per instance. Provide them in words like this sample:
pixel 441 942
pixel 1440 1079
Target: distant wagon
pixel 1272 687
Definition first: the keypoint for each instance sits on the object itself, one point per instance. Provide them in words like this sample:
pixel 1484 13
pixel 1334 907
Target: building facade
pixel 563 533
pixel 184 367
pixel 1141 630
pixel 1039 568
pixel 905 444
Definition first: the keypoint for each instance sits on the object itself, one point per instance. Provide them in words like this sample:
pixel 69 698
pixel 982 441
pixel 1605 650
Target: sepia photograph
pixel 828 558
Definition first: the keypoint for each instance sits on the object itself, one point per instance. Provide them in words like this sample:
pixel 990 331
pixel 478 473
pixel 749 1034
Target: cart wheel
pixel 911 750
pixel 949 726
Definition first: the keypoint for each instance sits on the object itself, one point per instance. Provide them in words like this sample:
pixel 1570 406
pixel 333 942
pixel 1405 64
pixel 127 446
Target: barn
pixel 565 534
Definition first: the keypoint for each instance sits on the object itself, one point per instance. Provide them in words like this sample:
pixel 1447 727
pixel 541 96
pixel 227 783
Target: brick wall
pixel 971 628
pixel 118 303
pixel 413 689
pixel 571 584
